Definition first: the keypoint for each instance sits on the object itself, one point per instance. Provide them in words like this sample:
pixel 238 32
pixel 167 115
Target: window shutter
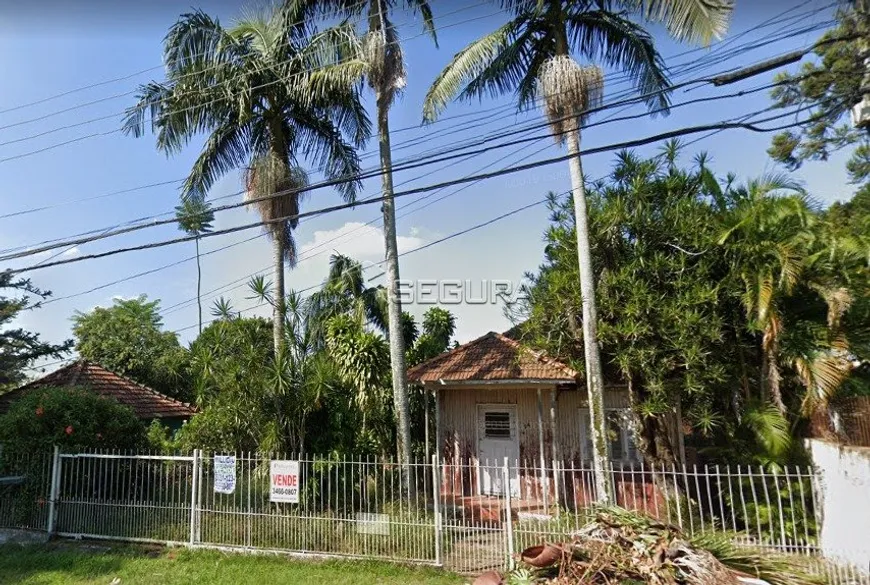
pixel 497 425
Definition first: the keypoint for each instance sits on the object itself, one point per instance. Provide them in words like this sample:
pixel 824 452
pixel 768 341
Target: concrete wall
pixel 844 499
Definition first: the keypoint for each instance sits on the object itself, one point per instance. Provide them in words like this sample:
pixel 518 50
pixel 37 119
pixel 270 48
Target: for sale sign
pixel 284 481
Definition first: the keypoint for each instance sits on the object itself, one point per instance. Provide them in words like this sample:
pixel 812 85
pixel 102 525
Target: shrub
pixel 72 418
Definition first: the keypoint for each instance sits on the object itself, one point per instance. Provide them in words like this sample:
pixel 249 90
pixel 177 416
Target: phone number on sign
pixel 284 491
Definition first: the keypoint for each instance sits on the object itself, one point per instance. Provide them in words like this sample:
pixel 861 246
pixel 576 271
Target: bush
pixel 72 418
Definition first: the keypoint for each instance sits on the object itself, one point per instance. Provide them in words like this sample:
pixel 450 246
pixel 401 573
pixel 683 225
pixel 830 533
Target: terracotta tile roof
pixel 491 357
pixel 145 402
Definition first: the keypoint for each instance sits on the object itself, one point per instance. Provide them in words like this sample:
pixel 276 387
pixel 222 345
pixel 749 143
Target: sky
pixel 61 150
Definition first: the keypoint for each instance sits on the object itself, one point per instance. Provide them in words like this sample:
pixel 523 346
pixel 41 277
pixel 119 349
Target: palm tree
pixel 771 241
pixel 381 52
pixel 195 217
pixel 269 97
pixel 531 56
pixel 345 293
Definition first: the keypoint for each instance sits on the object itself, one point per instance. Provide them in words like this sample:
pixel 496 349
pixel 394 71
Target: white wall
pixel 844 495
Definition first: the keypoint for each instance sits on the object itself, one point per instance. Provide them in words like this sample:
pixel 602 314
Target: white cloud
pixel 72 252
pixel 357 240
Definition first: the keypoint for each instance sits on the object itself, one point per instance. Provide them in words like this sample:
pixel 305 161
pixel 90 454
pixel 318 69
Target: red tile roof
pixel 491 357
pixel 145 402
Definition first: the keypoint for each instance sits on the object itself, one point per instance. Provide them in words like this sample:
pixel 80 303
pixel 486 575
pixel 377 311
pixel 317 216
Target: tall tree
pixel 128 338
pixel 531 56
pixel 269 95
pixel 195 218
pixel 831 86
pixel 381 52
pixel 20 348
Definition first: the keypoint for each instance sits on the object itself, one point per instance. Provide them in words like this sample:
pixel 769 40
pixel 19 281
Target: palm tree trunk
pixel 397 339
pixel 198 285
pixel 594 377
pixel 278 307
pixel 770 374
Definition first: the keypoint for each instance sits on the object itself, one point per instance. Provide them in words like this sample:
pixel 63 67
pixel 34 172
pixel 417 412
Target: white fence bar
pixel 477 515
pixel 508 512
pixel 436 506
pixel 55 487
pixel 194 493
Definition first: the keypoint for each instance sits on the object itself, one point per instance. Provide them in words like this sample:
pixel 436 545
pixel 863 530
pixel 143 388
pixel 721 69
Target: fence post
pixel 54 491
pixel 194 492
pixel 509 534
pixel 436 494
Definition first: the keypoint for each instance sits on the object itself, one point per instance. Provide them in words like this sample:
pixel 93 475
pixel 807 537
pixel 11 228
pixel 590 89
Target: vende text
pixel 284 480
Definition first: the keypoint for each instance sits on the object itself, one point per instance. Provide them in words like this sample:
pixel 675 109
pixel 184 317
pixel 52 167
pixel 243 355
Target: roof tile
pixel 145 402
pixel 491 357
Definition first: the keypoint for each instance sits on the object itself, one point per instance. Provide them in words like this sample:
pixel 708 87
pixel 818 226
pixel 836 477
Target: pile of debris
pixel 621 547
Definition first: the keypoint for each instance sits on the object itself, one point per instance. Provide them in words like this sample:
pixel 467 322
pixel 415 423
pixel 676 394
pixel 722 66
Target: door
pixel 497 438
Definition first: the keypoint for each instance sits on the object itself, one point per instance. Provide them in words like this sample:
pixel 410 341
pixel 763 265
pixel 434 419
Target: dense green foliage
pixel 328 390
pixel 731 300
pixel 20 348
pixel 72 418
pixel 128 338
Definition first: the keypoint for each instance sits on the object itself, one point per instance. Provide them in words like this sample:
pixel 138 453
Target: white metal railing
pixel 467 515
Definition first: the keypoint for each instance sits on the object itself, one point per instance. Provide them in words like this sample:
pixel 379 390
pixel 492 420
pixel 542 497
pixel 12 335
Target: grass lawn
pixel 75 564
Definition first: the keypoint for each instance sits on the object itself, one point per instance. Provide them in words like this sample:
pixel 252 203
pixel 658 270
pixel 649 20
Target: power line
pixel 228 287
pixel 518 168
pixel 713 79
pixel 703 61
pixel 115 80
pixel 196 107
pixel 407 252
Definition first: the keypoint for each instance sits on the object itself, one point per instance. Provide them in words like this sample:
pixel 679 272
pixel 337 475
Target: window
pixel 620 441
pixel 497 425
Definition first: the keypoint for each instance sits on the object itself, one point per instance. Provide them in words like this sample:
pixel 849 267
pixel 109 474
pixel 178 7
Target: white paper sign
pixel 284 481
pixel 224 474
pixel 373 524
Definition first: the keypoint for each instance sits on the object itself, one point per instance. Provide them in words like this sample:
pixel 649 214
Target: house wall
pixel 458 412
pixel 459 419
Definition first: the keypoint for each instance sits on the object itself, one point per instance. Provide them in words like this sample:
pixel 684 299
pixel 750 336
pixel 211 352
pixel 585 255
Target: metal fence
pixel 468 516
pixel 845 421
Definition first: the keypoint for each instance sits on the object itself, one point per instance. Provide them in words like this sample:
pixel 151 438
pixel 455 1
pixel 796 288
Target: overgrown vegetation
pixel 619 546
pixel 738 301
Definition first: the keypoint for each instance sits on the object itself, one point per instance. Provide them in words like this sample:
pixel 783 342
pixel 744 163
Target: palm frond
pixel 428 18
pixel 325 144
pixel 770 428
pixel 822 375
pixel 150 98
pixel 606 37
pixel 466 65
pixel 763 564
pixel 695 21
pixel 226 149
pixel 196 38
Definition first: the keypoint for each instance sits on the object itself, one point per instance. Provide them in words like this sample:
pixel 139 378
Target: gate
pixel 144 498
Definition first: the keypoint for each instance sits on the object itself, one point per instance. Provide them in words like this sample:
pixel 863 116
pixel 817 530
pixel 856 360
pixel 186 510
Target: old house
pixel 506 412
